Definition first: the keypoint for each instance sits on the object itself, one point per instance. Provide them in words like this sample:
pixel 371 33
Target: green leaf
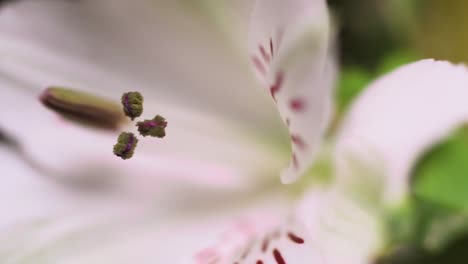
pixel 441 175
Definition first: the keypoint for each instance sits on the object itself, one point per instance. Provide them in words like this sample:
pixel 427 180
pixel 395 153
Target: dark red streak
pixel 271 47
pixel 265 56
pixel 265 244
pixel 278 257
pixel 259 65
pixel 298 141
pixel 275 88
pixel 295 161
pixel 294 238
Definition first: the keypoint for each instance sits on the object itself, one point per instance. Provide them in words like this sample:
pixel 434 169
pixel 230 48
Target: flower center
pixel 93 110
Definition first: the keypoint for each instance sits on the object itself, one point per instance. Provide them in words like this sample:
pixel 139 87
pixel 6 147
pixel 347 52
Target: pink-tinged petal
pixel 396 119
pixel 327 228
pixel 262 237
pixel 215 136
pixel 342 230
pixel 286 243
pixel 290 51
pixel 199 150
pixel 47 222
pixel 188 62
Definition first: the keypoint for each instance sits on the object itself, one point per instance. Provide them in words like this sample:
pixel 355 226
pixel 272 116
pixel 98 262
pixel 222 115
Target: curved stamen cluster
pixel 132 103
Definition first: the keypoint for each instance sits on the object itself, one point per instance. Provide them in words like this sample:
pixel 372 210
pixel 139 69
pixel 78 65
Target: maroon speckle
pixel 296 239
pixel 265 243
pixel 275 88
pixel 271 47
pixel 258 65
pixel 279 38
pixel 297 104
pixel 259 262
pixel 278 257
pixel 295 162
pixel 276 234
pixel 265 55
pixel 299 142
pixel 247 250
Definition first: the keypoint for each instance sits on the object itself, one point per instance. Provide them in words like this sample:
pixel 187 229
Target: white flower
pixel 71 201
pixel 207 193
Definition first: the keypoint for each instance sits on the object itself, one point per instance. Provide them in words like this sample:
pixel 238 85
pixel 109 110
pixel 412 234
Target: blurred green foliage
pixel 354 79
pixel 375 37
pixel 441 174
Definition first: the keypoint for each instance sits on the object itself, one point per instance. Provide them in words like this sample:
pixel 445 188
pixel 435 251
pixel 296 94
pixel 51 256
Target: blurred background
pixel 376 36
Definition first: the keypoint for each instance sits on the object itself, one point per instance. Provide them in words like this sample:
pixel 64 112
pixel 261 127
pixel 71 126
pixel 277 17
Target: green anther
pixel 155 127
pixel 132 103
pixel 126 144
pixel 84 108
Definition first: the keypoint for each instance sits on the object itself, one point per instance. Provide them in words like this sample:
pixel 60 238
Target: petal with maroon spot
pixel 290 46
pixel 213 127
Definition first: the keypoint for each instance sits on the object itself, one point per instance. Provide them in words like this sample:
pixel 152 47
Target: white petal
pixel 289 45
pixel 185 73
pixel 198 150
pixel 399 117
pixel 45 222
pixel 326 227
pixel 343 231
pixel 285 243
pixel 183 62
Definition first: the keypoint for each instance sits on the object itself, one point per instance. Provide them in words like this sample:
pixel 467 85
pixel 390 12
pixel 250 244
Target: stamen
pixel 132 104
pixel 155 127
pixel 126 144
pixel 83 107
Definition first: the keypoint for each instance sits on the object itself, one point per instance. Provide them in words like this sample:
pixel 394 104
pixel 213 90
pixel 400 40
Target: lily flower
pixel 232 106
pixel 248 98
